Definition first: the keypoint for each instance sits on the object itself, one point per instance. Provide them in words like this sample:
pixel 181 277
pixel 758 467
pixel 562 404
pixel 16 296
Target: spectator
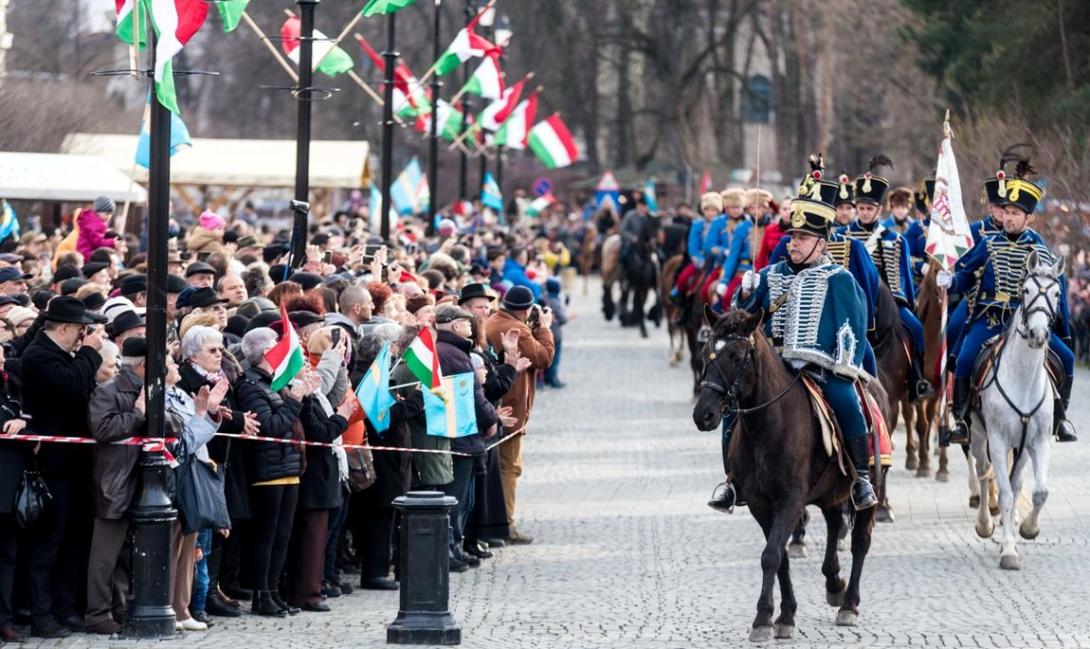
pixel 13 459
pixel 233 289
pixel 93 226
pixel 558 306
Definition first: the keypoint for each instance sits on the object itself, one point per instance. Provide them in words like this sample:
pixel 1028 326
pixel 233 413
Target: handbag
pixel 198 488
pixel 361 469
pixel 31 498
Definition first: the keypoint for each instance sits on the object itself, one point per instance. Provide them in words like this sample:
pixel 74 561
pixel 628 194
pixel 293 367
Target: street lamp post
pixel 390 54
pixel 304 95
pixel 433 164
pixel 467 105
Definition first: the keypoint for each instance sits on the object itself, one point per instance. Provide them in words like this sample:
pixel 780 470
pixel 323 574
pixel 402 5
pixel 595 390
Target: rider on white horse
pixel 997 265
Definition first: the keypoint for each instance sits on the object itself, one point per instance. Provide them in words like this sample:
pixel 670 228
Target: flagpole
pixel 947 132
pixel 390 55
pixel 753 244
pixel 303 90
pixel 462 136
pixel 340 37
pixel 435 66
pixel 433 144
pixel 272 48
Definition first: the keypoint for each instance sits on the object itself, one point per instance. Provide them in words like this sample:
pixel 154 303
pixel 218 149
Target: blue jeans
pixel 550 374
pixel 915 328
pixel 844 402
pixel 200 584
pixel 979 332
pixel 337 518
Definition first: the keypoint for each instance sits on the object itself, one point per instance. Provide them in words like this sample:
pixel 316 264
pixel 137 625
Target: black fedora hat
pixel 69 309
pixel 203 297
pixel 477 289
pixel 125 321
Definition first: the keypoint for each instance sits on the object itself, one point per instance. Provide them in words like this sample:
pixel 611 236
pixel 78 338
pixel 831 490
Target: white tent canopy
pixel 65 178
pixel 334 164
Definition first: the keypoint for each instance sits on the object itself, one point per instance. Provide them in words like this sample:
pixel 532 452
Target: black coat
pixel 393 469
pixel 227 452
pixel 320 487
pixel 277 415
pixel 454 358
pixel 13 454
pixel 56 390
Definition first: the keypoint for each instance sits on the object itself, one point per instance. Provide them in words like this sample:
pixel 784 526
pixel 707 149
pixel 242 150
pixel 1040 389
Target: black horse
pixel 639 276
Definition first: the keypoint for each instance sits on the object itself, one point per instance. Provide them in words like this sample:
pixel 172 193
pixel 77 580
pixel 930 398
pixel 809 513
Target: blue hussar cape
pixel 716 236
pixel 822 321
pixel 890 223
pixel 695 246
pixel 738 258
pixel 985 227
pixel 889 251
pixel 917 247
pixel 1001 265
pixel 850 255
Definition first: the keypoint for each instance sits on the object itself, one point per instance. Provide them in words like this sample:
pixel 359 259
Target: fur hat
pixel 713 200
pixel 900 196
pixel 734 197
pixel 759 197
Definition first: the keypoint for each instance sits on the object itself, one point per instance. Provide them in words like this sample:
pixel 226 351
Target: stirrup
pixel 1065 431
pixel 958 434
pixel 867 498
pixel 924 389
pixel 724 498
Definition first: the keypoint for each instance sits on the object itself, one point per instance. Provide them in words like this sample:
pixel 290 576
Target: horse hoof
pixel 974 501
pixel 985 531
pixel 993 510
pixel 911 462
pixel 834 599
pixel 1010 562
pixel 845 617
pixel 923 472
pixel 942 475
pixel 760 634
pixel 885 515
pixel 1027 532
pixel 785 631
pixel 796 550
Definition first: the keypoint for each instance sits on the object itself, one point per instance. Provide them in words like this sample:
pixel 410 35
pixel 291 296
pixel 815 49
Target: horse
pixel 639 276
pixel 672 311
pixel 1016 409
pixel 611 272
pixel 779 465
pixel 590 253
pixel 891 357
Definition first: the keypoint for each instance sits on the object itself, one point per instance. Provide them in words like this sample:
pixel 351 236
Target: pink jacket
pixel 91 231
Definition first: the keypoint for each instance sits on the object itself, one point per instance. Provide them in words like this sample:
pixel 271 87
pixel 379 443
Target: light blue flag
pixel 9 222
pixel 179 136
pixel 374 391
pixel 490 193
pixel 455 415
pixel 409 193
pixel 649 194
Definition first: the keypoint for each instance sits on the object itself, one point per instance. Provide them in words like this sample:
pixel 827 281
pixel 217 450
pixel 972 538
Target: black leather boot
pixel 862 492
pixel 284 606
pixel 263 604
pixel 918 386
pixel 1061 427
pixel 724 497
pixel 963 389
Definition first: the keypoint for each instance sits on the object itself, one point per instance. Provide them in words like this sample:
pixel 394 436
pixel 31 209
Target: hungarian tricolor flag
pixel 539 204
pixel 553 143
pixel 423 361
pixel 466 46
pixel 327 58
pixel 132 16
pixel 231 12
pixel 450 121
pixel 175 22
pixel 286 357
pixel 487 80
pixel 376 7
pixel 516 129
pixel 496 113
pixel 410 97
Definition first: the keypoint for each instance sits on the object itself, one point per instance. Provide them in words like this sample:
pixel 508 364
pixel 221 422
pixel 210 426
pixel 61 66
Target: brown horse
pixel 611 272
pixel 670 271
pixel 779 465
pixel 891 357
pixel 590 254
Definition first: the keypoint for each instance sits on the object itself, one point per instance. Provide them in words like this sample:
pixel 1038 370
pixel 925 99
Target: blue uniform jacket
pixel 738 258
pixel 889 251
pixel 985 227
pixel 850 255
pixel 716 236
pixel 695 246
pixel 917 246
pixel 1001 265
pixel 891 223
pixel 830 333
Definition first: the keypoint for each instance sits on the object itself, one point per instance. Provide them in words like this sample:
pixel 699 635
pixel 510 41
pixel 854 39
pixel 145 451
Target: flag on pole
pixel 423 361
pixel 451 413
pixel 410 98
pixel 516 130
pixel 409 192
pixel 490 193
pixel 327 62
pixel 649 195
pixel 553 144
pixel 286 357
pixel 487 79
pixel 376 7
pixel 496 113
pixel 374 393
pixel 9 222
pixel 179 136
pixel 705 182
pixel 466 45
pixel 948 237
pixel 450 121
pixel 127 19
pixel 374 209
pixel 175 22
pixel 231 13
pixel 539 204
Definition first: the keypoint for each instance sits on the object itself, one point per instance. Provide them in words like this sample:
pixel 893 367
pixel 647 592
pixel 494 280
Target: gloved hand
pixel 944 279
pixel 720 289
pixel 750 281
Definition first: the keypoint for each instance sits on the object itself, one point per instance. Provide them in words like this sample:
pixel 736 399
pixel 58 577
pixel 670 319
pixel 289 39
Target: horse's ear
pixel 1033 260
pixel 711 317
pixel 754 321
pixel 1058 267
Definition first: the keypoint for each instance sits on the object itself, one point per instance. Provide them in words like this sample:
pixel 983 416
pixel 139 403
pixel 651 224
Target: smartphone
pixel 336 336
pixel 203 256
pixel 328 257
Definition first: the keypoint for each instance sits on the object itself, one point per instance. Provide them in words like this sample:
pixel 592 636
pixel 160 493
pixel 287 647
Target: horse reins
pixel 731 391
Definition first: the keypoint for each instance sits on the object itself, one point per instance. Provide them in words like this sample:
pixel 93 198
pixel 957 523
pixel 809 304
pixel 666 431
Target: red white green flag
pixel 286 357
pixel 450 121
pixel 132 16
pixel 948 237
pixel 411 99
pixel 376 7
pixel 466 45
pixel 496 113
pixel 328 59
pixel 539 205
pixel 487 80
pixel 231 12
pixel 515 131
pixel 553 143
pixel 175 22
pixel 423 361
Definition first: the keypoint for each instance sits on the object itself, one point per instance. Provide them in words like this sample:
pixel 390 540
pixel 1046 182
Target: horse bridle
pixel 730 402
pixel 1022 329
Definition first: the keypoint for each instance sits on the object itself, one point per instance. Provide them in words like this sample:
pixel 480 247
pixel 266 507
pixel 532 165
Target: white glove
pixel 944 279
pixel 720 289
pixel 750 281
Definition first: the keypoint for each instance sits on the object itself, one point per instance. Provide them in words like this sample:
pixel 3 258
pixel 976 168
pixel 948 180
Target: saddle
pixel 985 361
pixel 831 436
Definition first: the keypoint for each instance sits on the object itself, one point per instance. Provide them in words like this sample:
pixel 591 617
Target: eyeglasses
pixel 214 350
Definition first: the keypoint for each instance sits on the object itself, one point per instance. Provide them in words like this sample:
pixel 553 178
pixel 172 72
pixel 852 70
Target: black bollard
pixel 424 616
pixel 150 612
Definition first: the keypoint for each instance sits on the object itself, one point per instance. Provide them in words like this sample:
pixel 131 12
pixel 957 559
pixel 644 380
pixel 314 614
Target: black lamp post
pixel 467 105
pixel 433 145
pixel 304 93
pixel 390 55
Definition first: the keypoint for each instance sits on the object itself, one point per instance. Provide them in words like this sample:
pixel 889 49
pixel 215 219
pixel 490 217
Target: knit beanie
pixel 105 205
pixel 212 221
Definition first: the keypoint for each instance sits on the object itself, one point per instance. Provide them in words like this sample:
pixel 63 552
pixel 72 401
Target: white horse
pixel 1016 409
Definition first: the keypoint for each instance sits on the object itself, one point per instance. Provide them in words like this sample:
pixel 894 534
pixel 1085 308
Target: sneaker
pixel 190 624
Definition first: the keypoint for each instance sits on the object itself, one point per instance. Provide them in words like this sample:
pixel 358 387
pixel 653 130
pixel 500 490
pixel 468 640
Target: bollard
pixel 424 616
pixel 150 612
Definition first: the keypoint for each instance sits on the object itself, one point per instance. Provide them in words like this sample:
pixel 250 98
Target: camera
pixel 534 319
pixel 299 206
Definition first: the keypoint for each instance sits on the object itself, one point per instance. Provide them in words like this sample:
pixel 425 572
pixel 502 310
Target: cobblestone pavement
pixel 628 555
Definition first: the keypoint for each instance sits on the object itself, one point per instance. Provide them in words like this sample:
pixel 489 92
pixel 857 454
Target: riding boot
pixel 862 492
pixel 963 389
pixel 918 386
pixel 1063 429
pixel 724 497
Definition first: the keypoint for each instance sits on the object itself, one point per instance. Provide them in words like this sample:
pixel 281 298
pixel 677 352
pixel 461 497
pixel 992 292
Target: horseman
pixel 718 237
pixel 816 316
pixel 739 258
pixel 916 236
pixel 889 250
pixel 634 224
pixel 899 202
pixel 996 267
pixel 711 206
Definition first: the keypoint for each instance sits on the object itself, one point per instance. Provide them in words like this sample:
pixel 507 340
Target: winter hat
pixel 447 227
pixel 713 200
pixel 734 197
pixel 105 205
pixel 518 298
pixel 19 314
pixel 212 221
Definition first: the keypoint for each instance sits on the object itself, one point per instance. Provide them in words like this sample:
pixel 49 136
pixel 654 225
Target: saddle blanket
pixel 830 433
